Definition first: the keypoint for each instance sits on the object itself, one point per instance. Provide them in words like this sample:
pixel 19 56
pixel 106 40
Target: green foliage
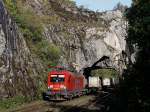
pixel 10 6
pixel 139 20
pixel 48 52
pixel 105 73
pixel 67 2
pixel 11 102
pixel 29 22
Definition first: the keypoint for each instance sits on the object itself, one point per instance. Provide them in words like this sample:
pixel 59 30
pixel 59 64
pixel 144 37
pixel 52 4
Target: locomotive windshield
pixel 57 78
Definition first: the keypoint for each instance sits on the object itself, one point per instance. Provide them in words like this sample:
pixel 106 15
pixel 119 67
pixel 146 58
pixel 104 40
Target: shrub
pixel 48 52
pixel 29 22
pixel 105 73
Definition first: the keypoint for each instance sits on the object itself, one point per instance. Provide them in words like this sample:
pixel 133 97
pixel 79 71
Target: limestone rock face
pixel 2 40
pixel 16 62
pixel 103 34
pixel 95 42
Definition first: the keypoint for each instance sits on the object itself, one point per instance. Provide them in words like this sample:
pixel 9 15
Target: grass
pixel 11 103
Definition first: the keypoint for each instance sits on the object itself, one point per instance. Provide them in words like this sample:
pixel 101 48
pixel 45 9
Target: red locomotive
pixel 65 85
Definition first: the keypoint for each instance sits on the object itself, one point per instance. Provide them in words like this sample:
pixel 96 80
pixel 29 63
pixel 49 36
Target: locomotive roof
pixel 62 71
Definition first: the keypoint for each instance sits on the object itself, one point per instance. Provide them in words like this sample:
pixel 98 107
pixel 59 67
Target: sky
pixel 101 5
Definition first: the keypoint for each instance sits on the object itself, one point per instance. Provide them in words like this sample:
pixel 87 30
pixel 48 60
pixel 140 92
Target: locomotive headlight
pixel 62 87
pixel 50 87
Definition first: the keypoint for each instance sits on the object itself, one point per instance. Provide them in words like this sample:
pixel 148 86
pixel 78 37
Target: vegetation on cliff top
pixel 105 73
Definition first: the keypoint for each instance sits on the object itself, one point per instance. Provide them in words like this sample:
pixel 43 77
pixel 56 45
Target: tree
pixel 137 78
pixel 120 7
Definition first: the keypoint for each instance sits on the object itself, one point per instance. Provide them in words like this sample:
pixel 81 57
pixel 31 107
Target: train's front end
pixel 56 85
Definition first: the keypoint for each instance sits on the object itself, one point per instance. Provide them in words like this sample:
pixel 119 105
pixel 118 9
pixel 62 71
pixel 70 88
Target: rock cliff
pixel 17 67
pixel 88 43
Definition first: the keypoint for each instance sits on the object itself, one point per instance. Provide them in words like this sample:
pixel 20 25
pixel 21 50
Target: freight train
pixel 63 85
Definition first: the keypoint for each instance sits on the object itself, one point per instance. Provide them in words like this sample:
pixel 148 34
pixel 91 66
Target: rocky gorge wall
pixel 86 45
pixel 17 67
pixel 83 35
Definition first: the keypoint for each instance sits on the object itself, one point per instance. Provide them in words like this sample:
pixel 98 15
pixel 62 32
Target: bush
pixel 48 52
pixel 29 22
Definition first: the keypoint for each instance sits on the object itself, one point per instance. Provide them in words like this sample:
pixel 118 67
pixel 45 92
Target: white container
pixel 94 82
pixel 106 82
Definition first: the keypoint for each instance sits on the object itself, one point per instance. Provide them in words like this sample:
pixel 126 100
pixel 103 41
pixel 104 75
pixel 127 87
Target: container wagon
pixel 94 83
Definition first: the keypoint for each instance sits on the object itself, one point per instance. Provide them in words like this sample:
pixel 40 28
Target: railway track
pixel 87 103
pixel 65 106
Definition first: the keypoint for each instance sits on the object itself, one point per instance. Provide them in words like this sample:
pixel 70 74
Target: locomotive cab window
pixel 57 78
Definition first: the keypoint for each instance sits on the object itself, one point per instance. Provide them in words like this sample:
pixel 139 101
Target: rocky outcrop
pixel 2 40
pixel 17 67
pixel 102 34
pixel 87 45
